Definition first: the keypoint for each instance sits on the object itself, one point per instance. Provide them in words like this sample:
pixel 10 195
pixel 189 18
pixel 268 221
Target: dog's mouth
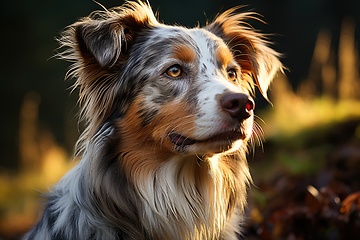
pixel 228 137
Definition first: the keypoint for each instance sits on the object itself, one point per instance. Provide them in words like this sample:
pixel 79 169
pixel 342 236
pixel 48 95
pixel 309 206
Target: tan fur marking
pixel 184 53
pixel 148 146
pixel 141 149
pixel 174 117
pixel 224 56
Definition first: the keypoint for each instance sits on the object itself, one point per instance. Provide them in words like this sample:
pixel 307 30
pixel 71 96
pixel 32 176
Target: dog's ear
pixel 104 41
pixel 98 45
pixel 106 36
pixel 249 47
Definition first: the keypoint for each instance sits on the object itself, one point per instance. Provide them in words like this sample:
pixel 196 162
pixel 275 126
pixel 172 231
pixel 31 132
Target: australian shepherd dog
pixel 169 112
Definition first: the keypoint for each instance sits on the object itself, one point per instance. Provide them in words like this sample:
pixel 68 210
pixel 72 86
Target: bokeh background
pixel 306 173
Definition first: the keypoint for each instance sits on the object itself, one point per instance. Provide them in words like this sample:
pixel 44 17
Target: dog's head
pixel 183 90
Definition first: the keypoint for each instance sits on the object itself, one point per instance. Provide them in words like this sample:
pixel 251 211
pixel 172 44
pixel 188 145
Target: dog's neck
pixel 179 195
pixel 185 194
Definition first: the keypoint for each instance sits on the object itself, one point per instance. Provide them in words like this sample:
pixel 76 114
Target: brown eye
pixel 174 71
pixel 232 76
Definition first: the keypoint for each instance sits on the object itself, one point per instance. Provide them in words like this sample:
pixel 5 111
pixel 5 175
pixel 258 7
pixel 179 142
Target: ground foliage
pixel 308 185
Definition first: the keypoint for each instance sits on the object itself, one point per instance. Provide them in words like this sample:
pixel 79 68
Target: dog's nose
pixel 237 105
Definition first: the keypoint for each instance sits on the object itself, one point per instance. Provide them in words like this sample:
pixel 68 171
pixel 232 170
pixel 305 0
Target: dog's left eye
pixel 174 71
pixel 232 76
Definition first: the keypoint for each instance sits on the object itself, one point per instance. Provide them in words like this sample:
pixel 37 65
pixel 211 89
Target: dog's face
pixel 182 90
pixel 192 97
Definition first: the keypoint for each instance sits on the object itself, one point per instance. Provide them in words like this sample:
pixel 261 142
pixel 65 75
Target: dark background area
pixel 30 27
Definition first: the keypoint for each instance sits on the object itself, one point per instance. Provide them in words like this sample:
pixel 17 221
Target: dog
pixel 168 114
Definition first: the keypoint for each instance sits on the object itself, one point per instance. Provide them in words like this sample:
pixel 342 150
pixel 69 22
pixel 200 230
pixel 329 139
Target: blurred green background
pixel 312 131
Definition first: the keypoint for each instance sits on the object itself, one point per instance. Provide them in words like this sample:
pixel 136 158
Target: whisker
pixel 259 118
pixel 258 134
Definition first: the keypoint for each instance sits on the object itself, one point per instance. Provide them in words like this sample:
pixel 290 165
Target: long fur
pixel 155 161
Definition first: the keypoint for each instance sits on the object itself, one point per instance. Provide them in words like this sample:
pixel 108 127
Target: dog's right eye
pixel 174 71
pixel 232 76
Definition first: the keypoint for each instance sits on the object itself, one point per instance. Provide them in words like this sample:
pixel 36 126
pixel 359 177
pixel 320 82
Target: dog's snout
pixel 237 105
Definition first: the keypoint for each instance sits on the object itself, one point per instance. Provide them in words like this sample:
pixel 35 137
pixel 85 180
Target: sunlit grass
pixel 291 113
pixel 21 195
pixel 43 163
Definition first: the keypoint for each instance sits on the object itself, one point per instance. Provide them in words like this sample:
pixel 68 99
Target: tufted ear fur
pixel 249 47
pixel 102 40
pixel 98 45
pixel 106 36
